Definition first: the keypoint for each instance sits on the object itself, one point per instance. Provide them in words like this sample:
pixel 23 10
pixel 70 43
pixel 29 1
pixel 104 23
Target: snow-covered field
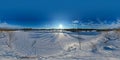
pixel 36 45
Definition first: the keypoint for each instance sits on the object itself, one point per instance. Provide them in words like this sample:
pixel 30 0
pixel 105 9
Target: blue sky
pixel 51 13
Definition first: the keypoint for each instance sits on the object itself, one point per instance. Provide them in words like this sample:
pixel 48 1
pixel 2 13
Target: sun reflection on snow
pixel 61 35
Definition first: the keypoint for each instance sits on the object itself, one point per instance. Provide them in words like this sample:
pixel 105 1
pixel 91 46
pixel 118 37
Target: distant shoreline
pixel 73 29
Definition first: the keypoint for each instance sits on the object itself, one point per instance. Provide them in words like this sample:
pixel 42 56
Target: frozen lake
pixel 38 45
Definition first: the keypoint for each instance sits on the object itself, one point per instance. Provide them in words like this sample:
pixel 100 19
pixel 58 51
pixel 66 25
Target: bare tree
pixel 76 23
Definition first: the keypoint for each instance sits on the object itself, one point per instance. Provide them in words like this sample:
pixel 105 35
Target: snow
pixel 37 45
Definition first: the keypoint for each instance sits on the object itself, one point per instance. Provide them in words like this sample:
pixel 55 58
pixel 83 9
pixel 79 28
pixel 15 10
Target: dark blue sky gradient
pixel 39 13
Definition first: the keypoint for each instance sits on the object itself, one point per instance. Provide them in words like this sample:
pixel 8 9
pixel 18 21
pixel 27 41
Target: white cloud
pixel 103 25
pixel 75 21
pixel 6 25
pixel 113 25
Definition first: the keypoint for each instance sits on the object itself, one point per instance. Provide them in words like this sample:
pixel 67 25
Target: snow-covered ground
pixel 36 45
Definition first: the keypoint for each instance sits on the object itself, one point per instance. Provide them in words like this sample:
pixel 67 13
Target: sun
pixel 60 26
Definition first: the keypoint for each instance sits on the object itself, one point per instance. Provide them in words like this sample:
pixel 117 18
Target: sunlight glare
pixel 60 26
